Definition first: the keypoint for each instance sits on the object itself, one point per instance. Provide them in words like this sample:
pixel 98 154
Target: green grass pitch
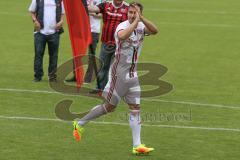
pixel 199 44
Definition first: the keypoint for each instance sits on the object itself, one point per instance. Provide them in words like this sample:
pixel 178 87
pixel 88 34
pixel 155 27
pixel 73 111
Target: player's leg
pixel 112 99
pixel 53 47
pixel 133 100
pixel 39 46
pixel 94 113
pixel 91 58
pixel 135 123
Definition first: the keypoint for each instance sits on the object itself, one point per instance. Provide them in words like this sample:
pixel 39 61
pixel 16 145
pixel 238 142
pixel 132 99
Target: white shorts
pixel 121 87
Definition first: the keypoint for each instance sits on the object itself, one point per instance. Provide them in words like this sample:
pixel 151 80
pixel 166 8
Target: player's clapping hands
pixel 138 13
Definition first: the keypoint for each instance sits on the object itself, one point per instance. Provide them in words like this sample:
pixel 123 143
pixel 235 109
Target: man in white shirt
pixel 95 22
pixel 47 17
pixel 123 80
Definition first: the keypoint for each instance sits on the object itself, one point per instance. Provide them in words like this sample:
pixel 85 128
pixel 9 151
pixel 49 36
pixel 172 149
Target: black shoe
pixel 87 81
pixel 73 79
pixel 95 91
pixel 52 79
pixel 37 79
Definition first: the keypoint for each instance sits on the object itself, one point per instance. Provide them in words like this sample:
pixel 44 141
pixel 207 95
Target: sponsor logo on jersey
pixel 114 14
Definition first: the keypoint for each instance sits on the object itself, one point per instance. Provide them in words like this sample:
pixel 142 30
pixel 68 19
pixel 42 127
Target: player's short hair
pixel 133 4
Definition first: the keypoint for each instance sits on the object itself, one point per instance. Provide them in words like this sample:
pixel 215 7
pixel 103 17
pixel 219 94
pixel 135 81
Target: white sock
pixel 94 113
pixel 135 124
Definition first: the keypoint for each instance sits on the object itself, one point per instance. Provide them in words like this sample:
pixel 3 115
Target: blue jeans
pixel 40 41
pixel 106 55
pixel 91 57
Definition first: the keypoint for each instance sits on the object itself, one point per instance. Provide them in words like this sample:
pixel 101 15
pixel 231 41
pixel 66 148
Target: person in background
pixel 47 17
pixel 95 23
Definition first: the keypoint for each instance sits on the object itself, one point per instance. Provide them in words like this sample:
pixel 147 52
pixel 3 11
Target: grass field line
pixel 190 11
pixel 124 124
pixel 150 10
pixel 166 23
pixel 199 24
pixel 145 99
pixel 193 103
pixel 15 13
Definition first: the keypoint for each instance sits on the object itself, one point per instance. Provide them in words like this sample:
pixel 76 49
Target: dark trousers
pixel 91 57
pixel 106 55
pixel 40 41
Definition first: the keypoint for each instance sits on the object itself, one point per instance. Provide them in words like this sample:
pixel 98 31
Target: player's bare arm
pixel 125 33
pixel 150 27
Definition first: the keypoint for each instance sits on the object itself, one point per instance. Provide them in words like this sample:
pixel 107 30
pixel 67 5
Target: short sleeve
pixel 142 26
pixel 33 6
pixel 98 2
pixel 120 27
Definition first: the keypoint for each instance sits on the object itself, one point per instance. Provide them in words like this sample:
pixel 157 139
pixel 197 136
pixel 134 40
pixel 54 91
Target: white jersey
pixel 123 81
pixel 95 23
pixel 128 51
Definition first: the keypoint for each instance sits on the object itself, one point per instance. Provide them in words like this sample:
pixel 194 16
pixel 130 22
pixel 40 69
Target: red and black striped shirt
pixel 112 17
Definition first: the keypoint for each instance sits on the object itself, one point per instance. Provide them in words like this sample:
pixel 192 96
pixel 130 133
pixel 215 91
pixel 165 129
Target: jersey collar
pixel 116 6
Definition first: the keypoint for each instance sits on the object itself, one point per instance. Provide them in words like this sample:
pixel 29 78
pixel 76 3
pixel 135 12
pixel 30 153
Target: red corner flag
pixel 80 34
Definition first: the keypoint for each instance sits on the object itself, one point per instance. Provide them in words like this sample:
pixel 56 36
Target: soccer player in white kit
pixel 123 80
